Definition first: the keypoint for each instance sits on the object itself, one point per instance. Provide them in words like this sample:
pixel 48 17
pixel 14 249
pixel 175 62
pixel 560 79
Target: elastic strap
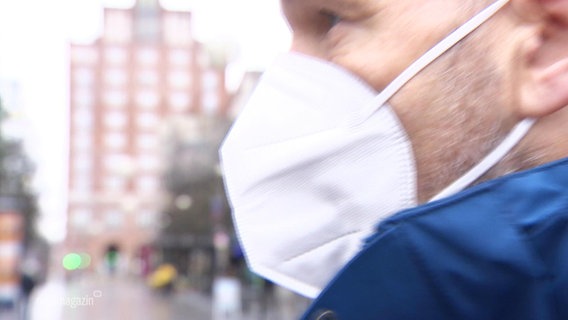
pixel 436 51
pixel 518 132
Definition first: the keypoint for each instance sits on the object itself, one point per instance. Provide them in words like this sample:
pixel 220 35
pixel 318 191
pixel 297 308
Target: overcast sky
pixel 33 51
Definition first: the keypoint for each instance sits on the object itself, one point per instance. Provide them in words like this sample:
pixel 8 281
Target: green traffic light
pixel 72 261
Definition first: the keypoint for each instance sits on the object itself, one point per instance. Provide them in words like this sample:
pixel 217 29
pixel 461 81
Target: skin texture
pixel 461 106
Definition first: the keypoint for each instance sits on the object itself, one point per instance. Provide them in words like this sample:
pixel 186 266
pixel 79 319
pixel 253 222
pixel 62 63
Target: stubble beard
pixel 463 118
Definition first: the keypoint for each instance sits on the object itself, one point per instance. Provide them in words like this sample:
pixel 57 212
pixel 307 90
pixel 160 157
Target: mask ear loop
pixel 518 133
pixel 428 57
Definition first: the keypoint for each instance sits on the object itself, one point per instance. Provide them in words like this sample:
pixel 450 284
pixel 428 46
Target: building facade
pixel 145 71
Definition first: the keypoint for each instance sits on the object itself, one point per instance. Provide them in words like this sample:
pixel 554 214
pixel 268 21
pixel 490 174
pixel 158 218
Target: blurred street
pixel 115 208
pixel 103 297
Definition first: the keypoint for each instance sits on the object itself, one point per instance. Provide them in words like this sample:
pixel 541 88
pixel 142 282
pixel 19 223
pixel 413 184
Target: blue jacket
pixel 498 250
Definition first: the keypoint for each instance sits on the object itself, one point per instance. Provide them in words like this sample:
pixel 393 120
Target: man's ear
pixel 543 79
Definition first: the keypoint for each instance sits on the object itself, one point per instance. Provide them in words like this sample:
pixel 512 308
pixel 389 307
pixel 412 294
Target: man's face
pixel 374 39
pixel 454 111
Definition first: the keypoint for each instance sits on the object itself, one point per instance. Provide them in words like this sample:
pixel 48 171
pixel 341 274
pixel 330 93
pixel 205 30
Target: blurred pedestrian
pixel 163 278
pixel 227 297
pixel 408 160
pixel 34 270
pixel 112 259
pixel 268 300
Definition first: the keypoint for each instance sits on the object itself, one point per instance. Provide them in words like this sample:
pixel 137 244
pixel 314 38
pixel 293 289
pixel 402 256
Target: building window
pixel 84 77
pixel 116 56
pixel 116 77
pixel 83 163
pixel 83 118
pixel 147 99
pixel 210 101
pixel 82 182
pixel 114 219
pixel 83 98
pixel 146 219
pixel 210 80
pixel 148 78
pixel 84 56
pixel 147 184
pixel 149 162
pixel 147 56
pixel 81 218
pixel 148 120
pixel 115 119
pixel 179 57
pixel 115 184
pixel 115 140
pixel 115 98
pixel 210 95
pixel 118 163
pixel 82 140
pixel 179 101
pixel 179 79
pixel 147 142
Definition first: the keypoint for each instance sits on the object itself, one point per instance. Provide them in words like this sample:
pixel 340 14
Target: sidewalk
pixel 121 298
pixel 114 299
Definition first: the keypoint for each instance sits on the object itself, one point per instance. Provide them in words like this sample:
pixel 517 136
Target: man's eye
pixel 333 19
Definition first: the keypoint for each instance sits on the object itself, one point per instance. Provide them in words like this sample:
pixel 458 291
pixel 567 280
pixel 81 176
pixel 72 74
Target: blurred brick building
pixel 145 71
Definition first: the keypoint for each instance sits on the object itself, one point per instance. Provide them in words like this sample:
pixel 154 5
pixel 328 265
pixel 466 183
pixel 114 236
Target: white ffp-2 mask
pixel 317 158
pixel 306 178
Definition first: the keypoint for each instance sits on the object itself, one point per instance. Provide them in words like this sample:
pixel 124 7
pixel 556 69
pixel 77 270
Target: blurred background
pixel 112 204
